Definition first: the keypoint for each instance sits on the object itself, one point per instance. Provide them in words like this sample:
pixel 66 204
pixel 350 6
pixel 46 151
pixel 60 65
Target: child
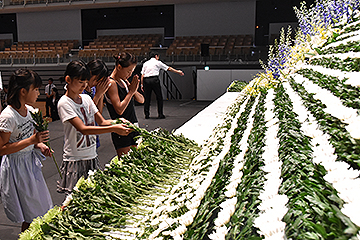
pixel 120 98
pixel 78 113
pixel 23 189
pixel 97 85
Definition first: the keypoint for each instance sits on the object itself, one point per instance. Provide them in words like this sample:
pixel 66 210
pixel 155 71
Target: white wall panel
pixel 212 84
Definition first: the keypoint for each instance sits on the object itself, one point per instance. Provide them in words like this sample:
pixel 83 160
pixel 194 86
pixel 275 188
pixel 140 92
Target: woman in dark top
pixel 120 98
pixel 54 101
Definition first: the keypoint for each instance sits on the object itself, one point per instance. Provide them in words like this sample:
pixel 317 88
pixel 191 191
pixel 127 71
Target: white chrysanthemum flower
pixel 91 172
pixel 354 130
pixel 180 230
pixel 67 200
pixel 35 111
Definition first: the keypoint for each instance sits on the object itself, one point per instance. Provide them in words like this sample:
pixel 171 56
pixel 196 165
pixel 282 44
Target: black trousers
pixel 152 84
pixel 48 104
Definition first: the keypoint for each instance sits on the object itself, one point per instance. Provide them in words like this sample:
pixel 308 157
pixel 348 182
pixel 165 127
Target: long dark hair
pixel 21 78
pixel 125 59
pixel 77 69
pixel 98 68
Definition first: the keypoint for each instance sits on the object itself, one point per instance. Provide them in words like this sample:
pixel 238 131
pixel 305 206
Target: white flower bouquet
pixel 41 125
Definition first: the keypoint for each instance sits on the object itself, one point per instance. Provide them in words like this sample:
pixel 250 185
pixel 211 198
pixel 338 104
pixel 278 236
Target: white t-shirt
pixel 152 67
pixel 76 145
pixel 20 127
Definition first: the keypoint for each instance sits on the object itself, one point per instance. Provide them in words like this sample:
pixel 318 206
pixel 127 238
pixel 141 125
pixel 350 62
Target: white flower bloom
pixel 178 237
pixel 344 179
pixel 354 130
pixel 35 111
pixel 91 172
pixel 67 200
pixel 219 234
pixel 180 230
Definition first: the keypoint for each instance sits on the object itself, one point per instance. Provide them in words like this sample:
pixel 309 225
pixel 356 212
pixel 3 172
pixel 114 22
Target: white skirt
pixel 24 192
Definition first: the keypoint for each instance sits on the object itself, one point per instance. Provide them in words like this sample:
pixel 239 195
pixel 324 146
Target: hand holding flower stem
pixel 41 125
pixel 144 132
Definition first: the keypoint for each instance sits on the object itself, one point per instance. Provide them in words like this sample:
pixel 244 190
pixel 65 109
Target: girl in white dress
pixel 78 113
pixel 24 191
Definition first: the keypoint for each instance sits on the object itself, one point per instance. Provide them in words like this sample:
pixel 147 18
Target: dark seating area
pixel 37 51
pixel 107 46
pixel 223 47
pixel 182 49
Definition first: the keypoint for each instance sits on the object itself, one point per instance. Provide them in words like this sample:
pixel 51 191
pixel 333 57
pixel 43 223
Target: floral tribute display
pixel 283 164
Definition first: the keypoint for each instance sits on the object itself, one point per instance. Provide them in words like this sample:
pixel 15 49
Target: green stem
pixel 53 157
pixel 169 140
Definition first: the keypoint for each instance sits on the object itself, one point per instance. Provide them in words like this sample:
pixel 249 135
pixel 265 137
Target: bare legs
pixel 123 150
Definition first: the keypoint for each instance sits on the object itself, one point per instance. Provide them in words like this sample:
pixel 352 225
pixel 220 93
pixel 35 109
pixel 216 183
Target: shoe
pixel 147 117
pixel 161 116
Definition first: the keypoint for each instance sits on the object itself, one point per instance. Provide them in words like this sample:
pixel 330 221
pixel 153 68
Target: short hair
pixel 153 54
pixel 21 78
pixel 77 69
pixel 98 68
pixel 125 59
pixel 51 79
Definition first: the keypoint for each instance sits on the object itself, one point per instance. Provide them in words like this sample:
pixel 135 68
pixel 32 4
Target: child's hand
pixel 103 86
pixel 125 120
pixel 40 137
pixel 45 149
pixel 122 129
pixel 134 84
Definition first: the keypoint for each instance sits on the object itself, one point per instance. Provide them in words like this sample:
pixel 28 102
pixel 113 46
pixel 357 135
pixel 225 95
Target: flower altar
pixel 283 163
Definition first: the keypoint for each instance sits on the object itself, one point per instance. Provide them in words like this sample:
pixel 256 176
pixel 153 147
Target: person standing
pixel 55 99
pixel 49 97
pixel 98 84
pixel 120 99
pixel 150 82
pixel 78 114
pixel 24 192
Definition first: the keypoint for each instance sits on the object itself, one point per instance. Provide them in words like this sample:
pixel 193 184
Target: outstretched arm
pixel 175 71
pixel 92 130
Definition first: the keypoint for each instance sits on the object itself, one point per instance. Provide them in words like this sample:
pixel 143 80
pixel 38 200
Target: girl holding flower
pixel 23 189
pixel 78 114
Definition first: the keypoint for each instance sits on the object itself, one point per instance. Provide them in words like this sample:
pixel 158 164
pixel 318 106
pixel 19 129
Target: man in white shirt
pixel 48 102
pixel 150 82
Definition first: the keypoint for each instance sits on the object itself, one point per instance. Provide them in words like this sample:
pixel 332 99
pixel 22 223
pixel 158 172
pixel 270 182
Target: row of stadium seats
pixel 31 49
pixel 218 45
pixel 181 49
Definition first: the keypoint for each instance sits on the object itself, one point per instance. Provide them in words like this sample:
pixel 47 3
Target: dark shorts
pixel 124 141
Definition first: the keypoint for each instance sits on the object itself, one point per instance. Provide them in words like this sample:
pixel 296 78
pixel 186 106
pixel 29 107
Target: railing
pixel 171 87
pixel 32 59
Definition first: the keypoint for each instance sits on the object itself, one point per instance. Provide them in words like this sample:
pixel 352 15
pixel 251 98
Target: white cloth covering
pixel 24 193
